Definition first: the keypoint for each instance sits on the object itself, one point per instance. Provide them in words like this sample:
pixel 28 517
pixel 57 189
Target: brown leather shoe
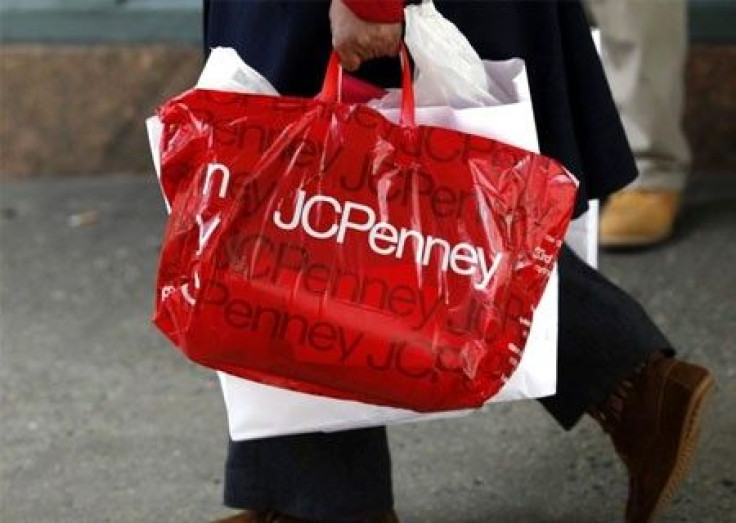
pixel 654 421
pixel 252 516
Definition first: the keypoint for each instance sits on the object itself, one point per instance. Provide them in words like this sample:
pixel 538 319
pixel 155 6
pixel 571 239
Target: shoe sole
pixel 633 242
pixel 687 446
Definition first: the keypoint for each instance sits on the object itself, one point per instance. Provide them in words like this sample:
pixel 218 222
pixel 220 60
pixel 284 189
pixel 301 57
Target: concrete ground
pixel 103 421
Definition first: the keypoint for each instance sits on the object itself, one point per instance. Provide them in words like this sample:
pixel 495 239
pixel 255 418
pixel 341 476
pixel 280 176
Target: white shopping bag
pixel 582 235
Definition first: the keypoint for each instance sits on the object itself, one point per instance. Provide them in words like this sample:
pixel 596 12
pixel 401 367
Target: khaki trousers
pixel 643 48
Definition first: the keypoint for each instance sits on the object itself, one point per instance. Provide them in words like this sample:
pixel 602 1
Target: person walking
pixel 613 362
pixel 644 48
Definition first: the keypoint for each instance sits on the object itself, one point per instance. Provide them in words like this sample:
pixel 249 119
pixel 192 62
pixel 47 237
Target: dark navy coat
pixel 577 122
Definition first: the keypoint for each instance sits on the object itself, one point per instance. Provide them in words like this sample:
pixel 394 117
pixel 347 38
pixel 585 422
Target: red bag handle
pixel 332 86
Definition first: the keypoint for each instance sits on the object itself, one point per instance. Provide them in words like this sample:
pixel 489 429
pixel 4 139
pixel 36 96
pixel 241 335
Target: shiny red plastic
pixel 314 245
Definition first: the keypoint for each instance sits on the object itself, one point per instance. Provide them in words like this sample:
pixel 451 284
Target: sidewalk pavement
pixel 103 421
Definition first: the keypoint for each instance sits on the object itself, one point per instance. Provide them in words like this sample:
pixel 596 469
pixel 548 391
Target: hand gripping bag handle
pixel 333 78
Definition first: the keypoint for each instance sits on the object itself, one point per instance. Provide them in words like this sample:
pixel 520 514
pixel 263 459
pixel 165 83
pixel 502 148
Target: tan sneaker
pixel 638 218
pixel 654 421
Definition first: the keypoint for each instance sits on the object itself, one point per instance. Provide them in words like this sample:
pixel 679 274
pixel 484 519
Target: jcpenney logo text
pixel 385 239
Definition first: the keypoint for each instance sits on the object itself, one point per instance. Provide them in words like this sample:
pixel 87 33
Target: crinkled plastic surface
pixel 314 245
pixel 449 70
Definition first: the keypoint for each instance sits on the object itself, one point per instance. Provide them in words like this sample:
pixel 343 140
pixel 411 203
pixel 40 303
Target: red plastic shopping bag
pixel 314 245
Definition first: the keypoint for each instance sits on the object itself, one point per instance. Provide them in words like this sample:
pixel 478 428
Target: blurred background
pixel 78 74
pixel 102 421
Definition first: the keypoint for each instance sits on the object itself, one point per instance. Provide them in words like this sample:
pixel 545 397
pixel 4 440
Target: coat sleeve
pixel 383 11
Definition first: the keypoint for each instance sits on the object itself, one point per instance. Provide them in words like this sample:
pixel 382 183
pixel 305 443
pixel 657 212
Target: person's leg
pixel 604 336
pixel 644 48
pixel 341 476
pixel 615 364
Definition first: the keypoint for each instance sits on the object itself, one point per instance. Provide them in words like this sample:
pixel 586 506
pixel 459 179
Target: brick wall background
pixel 79 109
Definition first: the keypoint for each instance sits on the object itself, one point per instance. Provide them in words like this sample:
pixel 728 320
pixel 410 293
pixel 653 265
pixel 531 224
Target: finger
pixel 393 47
pixel 370 50
pixel 385 49
pixel 392 43
pixel 350 61
pixel 381 46
pixel 363 48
